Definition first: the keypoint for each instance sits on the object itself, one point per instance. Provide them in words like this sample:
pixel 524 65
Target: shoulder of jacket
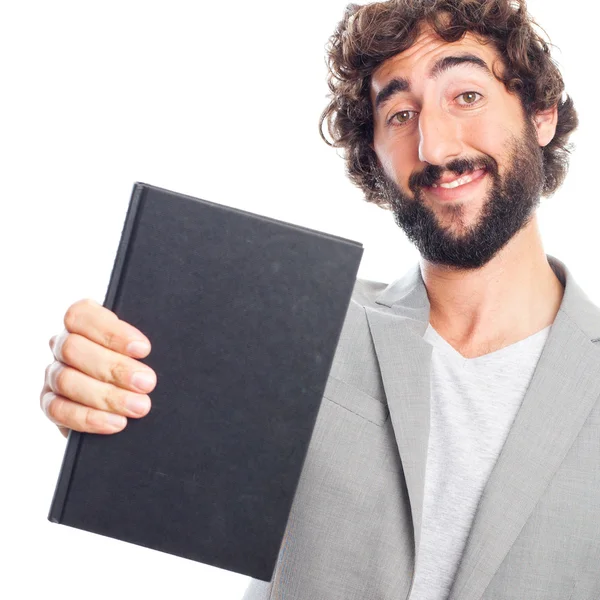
pixel 366 291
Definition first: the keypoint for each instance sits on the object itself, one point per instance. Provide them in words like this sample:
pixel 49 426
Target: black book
pixel 244 314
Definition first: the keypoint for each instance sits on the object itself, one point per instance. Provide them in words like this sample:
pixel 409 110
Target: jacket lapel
pixel 397 326
pixel 563 390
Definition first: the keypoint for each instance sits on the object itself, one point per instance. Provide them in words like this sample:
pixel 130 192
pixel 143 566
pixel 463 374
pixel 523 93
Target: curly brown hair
pixel 370 34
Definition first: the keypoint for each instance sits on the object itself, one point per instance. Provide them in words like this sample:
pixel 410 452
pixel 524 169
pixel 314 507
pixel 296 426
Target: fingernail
pixel 115 421
pixel 58 344
pixel 55 368
pixel 138 348
pixel 137 405
pixel 46 399
pixel 143 380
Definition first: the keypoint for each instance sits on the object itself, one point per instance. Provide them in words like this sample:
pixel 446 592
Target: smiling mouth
pixel 462 180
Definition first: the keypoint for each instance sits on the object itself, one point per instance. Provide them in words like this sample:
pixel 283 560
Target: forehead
pixel 417 60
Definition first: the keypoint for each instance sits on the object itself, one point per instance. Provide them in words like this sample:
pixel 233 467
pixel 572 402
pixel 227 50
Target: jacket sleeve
pixel 258 590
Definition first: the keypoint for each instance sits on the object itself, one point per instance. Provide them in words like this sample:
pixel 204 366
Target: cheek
pixel 494 130
pixel 489 137
pixel 398 157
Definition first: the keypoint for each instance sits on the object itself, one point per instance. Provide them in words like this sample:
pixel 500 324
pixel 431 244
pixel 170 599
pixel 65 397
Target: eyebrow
pixel 401 84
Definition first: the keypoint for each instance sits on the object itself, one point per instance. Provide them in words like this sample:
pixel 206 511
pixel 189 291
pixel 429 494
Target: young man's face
pixel 461 165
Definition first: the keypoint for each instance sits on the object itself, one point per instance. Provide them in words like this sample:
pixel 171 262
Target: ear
pixel 545 124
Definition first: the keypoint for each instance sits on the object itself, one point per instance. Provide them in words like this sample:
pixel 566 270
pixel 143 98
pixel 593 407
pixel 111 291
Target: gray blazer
pixel 354 528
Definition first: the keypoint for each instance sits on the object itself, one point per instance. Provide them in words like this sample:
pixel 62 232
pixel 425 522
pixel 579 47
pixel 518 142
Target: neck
pixel 510 298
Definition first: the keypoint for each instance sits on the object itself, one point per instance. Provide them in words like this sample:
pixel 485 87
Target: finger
pixel 45 400
pixel 105 365
pixel 72 415
pixel 57 342
pixel 97 323
pixel 79 387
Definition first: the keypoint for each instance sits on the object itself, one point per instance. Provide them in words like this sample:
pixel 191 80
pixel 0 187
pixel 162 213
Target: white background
pixel 218 100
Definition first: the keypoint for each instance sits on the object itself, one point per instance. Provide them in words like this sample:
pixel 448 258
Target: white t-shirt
pixel 473 404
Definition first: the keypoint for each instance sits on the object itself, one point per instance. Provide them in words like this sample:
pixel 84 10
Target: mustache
pixel 432 173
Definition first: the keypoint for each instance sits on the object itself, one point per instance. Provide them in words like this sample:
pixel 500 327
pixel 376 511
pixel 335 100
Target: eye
pixel 402 117
pixel 469 98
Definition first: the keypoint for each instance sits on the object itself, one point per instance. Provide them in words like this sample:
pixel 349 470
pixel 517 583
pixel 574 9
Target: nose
pixel 439 138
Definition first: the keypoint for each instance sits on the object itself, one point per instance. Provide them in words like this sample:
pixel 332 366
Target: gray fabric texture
pixel 473 404
pixel 355 525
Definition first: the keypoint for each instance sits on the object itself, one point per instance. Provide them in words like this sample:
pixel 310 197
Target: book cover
pixel 244 313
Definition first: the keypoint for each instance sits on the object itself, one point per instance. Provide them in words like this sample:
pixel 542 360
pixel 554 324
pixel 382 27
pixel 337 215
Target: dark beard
pixel 508 208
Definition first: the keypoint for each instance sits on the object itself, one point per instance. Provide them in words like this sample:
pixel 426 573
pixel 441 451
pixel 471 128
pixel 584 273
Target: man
pixel 456 454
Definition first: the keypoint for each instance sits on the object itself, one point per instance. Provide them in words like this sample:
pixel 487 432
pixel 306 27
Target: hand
pixel 95 383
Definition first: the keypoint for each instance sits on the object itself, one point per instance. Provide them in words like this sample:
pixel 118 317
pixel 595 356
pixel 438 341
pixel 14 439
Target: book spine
pixel 76 438
pixel 122 253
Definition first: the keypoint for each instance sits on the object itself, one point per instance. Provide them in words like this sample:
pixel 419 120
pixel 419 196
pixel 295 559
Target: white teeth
pixel 455 183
